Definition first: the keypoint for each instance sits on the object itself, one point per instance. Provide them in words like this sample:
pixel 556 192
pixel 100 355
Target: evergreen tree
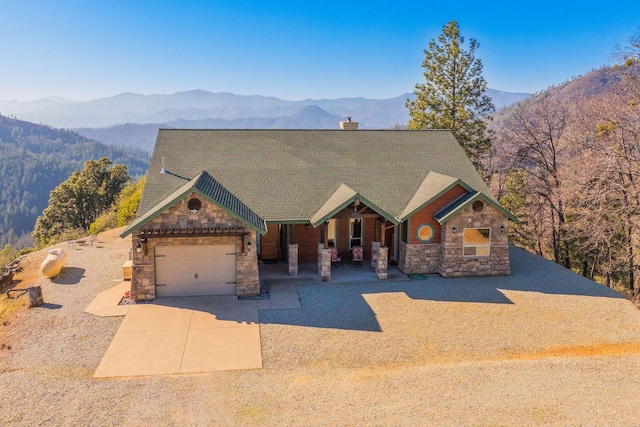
pixel 78 201
pixel 453 95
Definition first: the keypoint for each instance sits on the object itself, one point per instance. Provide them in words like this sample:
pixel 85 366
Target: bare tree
pixel 535 131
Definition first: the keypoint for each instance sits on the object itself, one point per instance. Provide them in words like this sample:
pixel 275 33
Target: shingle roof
pixel 289 175
pixel 209 188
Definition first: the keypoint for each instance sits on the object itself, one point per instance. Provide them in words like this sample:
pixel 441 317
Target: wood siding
pixel 425 215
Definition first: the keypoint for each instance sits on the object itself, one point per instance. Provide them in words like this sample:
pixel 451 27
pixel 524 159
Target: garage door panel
pixel 196 270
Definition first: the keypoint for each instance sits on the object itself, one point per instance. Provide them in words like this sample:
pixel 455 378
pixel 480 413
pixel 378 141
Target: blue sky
pixel 292 49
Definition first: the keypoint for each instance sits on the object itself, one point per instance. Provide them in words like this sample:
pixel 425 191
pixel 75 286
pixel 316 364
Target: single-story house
pixel 217 202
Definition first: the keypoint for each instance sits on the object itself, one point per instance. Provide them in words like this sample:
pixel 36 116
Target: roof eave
pixel 455 211
pixel 442 192
pixel 138 223
pixel 350 200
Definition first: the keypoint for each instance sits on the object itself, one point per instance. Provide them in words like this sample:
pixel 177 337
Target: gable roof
pixel 452 209
pixel 293 175
pixel 433 186
pixel 339 200
pixel 210 189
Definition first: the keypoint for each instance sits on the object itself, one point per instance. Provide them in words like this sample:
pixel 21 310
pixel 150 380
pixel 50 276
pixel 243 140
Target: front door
pixel 270 242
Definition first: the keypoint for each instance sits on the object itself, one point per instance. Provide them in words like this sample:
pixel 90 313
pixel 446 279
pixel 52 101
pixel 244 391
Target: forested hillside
pixel 567 162
pixel 34 159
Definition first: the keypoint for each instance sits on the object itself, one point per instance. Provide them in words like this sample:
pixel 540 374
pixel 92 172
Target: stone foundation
pixel 419 258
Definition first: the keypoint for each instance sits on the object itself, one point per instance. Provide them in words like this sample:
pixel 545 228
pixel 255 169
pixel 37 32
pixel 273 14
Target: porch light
pixel 249 245
pixel 502 228
pixel 142 246
pixel 453 230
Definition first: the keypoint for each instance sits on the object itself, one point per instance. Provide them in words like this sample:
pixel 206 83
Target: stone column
pixel 248 275
pixel 293 259
pixel 383 262
pixel 375 247
pixel 324 263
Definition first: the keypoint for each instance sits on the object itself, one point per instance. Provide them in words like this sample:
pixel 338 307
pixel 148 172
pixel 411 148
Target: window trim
pixel 433 232
pixel 476 245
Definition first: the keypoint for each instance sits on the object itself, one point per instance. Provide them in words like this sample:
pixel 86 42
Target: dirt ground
pixel 541 346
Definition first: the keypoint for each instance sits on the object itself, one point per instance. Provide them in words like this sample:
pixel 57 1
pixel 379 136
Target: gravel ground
pixel 542 346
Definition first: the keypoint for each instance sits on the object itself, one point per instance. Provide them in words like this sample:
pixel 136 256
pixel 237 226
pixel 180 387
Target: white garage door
pixel 195 270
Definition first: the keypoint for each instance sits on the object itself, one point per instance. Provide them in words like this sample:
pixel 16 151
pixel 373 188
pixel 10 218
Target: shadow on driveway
pixel 343 306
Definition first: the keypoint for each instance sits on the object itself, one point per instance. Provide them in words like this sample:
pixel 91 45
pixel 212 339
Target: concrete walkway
pixel 189 334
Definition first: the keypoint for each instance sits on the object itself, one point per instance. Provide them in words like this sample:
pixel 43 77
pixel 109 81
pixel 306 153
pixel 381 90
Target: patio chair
pixel 357 253
pixel 335 259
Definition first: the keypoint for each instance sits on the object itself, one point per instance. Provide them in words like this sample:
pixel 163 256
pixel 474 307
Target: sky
pixel 293 50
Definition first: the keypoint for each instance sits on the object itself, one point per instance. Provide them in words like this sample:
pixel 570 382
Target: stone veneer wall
pixel 383 262
pixel 419 258
pixel 293 259
pixel 178 216
pixel 375 254
pixel 324 263
pixel 454 264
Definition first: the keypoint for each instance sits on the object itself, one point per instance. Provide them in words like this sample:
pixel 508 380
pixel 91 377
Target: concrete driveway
pixel 185 335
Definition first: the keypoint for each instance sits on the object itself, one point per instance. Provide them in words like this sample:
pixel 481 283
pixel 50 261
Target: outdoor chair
pixel 357 253
pixel 335 259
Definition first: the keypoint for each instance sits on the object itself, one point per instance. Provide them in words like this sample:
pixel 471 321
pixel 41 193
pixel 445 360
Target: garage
pixel 195 270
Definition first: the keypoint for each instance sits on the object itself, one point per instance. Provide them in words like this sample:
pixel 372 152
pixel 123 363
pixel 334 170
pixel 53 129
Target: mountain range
pixel 202 105
pixel 132 120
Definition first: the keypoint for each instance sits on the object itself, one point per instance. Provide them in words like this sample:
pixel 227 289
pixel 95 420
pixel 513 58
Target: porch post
pixel 375 248
pixel 324 263
pixel 383 262
pixel 293 259
pixel 325 233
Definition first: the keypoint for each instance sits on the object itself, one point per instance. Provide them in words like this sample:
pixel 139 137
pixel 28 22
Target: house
pixel 217 202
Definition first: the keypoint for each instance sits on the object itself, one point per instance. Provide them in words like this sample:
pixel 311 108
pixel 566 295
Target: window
pixel 476 242
pixel 356 230
pixel 477 206
pixel 425 233
pixel 331 232
pixel 194 205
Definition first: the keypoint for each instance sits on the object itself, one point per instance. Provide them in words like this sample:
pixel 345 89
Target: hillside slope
pixel 34 159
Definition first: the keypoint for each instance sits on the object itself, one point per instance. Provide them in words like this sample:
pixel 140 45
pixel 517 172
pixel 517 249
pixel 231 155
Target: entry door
pixel 270 242
pixel 195 270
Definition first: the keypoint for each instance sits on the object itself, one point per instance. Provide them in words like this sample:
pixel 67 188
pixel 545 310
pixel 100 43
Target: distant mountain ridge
pixel 201 105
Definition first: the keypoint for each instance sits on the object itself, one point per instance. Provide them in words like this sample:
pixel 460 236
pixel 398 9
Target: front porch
pixel 278 272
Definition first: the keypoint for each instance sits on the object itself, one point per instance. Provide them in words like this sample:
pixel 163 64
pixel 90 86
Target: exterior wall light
pixel 502 228
pixel 249 245
pixel 142 247
pixel 454 230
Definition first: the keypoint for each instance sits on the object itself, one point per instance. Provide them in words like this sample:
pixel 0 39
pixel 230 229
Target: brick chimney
pixel 349 125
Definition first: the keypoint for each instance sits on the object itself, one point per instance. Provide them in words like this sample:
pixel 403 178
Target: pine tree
pixel 453 96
